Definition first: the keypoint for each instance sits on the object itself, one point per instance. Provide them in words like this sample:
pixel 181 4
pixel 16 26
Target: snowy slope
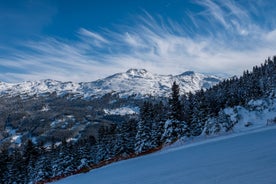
pixel 245 158
pixel 138 82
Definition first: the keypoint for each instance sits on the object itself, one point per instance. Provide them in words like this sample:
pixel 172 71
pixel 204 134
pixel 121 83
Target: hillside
pixel 246 158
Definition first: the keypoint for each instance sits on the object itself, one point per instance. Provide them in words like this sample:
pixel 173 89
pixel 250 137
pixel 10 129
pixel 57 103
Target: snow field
pixel 248 158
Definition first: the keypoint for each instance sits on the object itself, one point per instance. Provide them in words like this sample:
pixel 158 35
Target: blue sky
pixel 83 40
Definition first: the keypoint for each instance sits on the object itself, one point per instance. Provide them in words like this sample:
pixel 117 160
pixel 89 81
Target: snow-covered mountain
pixel 134 82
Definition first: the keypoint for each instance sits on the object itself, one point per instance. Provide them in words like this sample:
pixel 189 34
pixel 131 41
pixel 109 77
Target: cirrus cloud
pixel 224 39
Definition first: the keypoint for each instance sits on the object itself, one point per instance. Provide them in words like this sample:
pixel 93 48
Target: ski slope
pixel 248 158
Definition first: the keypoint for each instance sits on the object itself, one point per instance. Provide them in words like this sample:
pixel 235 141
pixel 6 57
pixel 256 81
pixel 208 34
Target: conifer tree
pixel 144 126
pixel 176 114
pixel 175 104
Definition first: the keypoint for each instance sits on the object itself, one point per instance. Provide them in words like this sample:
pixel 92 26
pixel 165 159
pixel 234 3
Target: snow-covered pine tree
pixel 106 143
pixel 174 127
pixel 126 134
pixel 175 104
pixel 144 126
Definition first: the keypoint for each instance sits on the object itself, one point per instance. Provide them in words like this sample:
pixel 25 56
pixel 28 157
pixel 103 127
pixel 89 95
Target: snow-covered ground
pixel 248 157
pixel 122 111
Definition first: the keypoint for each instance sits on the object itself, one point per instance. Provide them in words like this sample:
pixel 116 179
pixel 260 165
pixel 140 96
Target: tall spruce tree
pixel 144 128
pixel 175 104
pixel 174 127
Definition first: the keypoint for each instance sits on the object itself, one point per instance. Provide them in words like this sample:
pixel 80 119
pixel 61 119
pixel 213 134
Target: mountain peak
pixel 188 73
pixel 137 72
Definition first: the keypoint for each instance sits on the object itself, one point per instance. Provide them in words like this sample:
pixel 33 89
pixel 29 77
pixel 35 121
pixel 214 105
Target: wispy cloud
pixel 225 39
pixel 93 37
pixel 215 11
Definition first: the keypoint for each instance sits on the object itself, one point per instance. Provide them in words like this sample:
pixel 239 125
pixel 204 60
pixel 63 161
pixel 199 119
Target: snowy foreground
pixel 244 158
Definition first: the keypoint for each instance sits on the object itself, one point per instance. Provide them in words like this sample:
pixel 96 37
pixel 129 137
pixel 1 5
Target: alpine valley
pixel 48 112
pixel 52 111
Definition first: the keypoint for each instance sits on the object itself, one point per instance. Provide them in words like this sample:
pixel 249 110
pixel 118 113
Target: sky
pixel 84 40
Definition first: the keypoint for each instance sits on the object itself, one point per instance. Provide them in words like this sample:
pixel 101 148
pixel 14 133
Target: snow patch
pixel 122 111
pixel 63 122
pixel 256 114
pixel 16 139
pixel 45 108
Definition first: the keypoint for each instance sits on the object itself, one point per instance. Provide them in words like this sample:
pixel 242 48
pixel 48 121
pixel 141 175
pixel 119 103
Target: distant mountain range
pixel 134 82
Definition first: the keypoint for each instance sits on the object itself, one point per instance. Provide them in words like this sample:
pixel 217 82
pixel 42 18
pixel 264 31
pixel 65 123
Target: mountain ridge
pixel 133 82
